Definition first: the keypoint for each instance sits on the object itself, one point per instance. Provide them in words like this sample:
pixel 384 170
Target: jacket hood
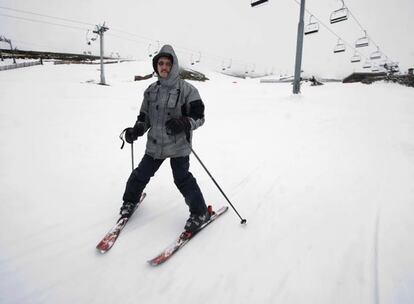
pixel 173 76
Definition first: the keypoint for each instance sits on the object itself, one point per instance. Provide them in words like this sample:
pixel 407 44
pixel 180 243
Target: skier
pixel 171 110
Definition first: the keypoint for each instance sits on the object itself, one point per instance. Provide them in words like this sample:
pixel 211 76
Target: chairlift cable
pixel 347 43
pixel 178 48
pixel 330 30
pixel 125 38
pixel 45 22
pixel 364 30
pixel 47 16
pixel 114 29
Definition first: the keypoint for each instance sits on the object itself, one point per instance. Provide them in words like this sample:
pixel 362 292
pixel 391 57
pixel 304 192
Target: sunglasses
pixel 166 63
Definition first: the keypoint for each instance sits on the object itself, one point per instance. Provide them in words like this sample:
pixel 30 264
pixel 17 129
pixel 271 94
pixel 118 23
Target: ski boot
pixel 195 221
pixel 127 209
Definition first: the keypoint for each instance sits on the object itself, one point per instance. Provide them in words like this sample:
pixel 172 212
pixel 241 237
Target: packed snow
pixel 325 180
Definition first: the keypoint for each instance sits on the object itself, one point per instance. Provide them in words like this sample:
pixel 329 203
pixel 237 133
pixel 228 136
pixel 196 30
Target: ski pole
pixel 243 221
pixel 121 137
pixel 132 155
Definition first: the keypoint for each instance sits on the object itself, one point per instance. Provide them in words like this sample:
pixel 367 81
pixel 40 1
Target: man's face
pixel 164 67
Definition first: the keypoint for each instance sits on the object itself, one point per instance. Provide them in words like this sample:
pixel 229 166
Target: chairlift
pixel 223 66
pixel 384 63
pixel 375 68
pixel 254 68
pixel 367 64
pixel 157 48
pixel 340 47
pixel 394 67
pixel 363 41
pixel 339 14
pixel 153 50
pixel 376 54
pixel 193 62
pixel 311 27
pixel 150 53
pixel 255 3
pixel 199 58
pixel 355 58
pixel 230 63
pixel 89 39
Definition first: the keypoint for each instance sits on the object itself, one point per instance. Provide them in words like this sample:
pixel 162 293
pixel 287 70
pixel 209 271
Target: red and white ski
pixel 183 239
pixel 109 239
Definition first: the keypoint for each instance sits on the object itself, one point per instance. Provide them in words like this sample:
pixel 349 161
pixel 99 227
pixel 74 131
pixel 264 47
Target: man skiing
pixel 171 110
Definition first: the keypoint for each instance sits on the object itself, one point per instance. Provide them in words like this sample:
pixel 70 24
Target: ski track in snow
pixel 376 258
pixel 324 179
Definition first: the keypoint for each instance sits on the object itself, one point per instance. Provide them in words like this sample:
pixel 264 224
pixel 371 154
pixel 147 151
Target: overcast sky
pixel 262 38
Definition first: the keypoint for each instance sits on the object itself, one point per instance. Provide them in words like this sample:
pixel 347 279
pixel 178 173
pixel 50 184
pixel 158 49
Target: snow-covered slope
pixel 325 180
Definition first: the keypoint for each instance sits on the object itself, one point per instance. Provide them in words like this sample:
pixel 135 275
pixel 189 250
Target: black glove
pixel 178 125
pixel 131 134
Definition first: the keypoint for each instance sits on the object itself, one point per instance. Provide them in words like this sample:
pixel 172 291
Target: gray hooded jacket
pixel 167 98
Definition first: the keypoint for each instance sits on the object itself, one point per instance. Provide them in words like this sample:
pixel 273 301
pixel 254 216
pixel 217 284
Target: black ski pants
pixel 183 179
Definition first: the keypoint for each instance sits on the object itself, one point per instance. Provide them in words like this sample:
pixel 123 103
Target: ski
pixel 109 239
pixel 183 239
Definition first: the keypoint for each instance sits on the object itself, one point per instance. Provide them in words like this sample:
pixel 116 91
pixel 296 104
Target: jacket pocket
pixel 173 97
pixel 152 94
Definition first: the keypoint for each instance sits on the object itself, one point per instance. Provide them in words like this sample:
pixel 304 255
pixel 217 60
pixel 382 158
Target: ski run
pixel 325 180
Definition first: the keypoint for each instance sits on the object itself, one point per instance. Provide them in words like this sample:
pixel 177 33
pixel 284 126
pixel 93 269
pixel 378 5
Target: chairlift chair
pixel 311 27
pixel 363 41
pixel 150 50
pixel 255 3
pixel 199 58
pixel 376 54
pixel 89 39
pixel 158 47
pixel 340 47
pixel 223 67
pixel 395 66
pixel 367 64
pixel 339 14
pixel 355 58
pixel 230 63
pixel 383 63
